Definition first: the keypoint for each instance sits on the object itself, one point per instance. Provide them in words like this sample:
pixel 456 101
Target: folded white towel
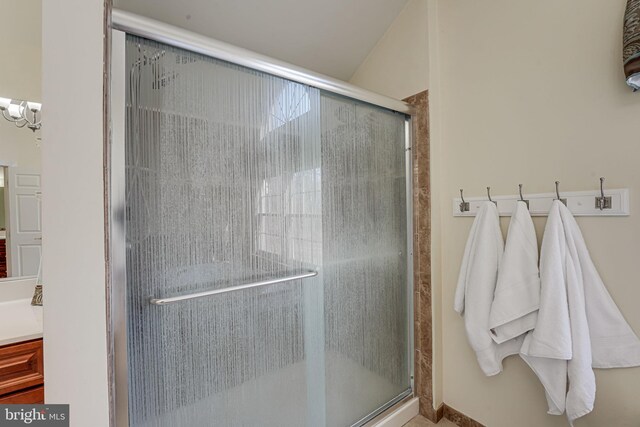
pixel 476 286
pixel 517 296
pixel 579 326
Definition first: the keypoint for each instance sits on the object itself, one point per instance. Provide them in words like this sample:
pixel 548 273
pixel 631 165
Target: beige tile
pixel 446 423
pixel 421 421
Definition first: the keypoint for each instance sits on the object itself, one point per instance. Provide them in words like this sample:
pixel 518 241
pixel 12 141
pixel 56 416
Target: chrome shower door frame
pixel 119 378
pixel 127 23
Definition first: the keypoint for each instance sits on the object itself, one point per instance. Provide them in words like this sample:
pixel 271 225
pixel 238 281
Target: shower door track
pixel 129 23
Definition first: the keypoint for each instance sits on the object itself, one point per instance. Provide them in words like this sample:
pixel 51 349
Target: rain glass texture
pixel 364 267
pixel 235 176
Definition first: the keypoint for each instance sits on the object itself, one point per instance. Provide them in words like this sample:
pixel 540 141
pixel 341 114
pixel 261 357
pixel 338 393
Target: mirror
pixel 20 171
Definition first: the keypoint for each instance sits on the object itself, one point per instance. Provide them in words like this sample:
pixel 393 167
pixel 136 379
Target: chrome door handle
pixel 171 300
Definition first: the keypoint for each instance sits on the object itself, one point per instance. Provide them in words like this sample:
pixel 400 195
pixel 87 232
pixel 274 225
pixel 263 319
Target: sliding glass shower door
pixel 266 258
pixel 364 258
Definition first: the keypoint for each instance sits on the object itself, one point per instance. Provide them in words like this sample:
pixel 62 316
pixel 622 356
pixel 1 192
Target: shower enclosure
pixel 261 239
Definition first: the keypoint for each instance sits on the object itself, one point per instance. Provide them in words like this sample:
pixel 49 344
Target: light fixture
pixel 21 113
pixel 631 44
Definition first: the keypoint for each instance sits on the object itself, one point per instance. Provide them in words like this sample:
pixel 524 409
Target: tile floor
pixel 421 421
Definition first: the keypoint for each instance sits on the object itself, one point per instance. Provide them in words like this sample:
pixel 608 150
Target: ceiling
pixel 332 37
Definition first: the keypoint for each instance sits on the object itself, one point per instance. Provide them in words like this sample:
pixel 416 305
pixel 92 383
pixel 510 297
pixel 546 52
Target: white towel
pixel 579 326
pixel 517 297
pixel 548 347
pixel 476 286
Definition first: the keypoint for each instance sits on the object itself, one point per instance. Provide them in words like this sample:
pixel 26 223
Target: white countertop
pixel 19 320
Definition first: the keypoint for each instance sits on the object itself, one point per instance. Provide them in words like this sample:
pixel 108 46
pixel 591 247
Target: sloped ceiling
pixel 332 37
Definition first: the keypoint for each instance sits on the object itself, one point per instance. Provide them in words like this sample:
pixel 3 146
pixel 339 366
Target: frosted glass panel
pixel 222 180
pixel 235 176
pixel 364 257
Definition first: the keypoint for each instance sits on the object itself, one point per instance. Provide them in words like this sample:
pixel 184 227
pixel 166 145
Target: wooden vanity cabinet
pixel 21 373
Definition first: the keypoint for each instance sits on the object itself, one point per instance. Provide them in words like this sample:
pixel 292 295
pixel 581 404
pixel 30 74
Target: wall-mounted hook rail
pixel 521 197
pixel 580 203
pixel 564 201
pixel 489 196
pixel 464 206
pixel 603 202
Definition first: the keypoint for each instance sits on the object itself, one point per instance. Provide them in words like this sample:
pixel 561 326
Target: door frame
pixel 5 165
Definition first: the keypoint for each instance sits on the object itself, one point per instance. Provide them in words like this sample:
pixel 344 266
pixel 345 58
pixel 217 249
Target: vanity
pixel 21 357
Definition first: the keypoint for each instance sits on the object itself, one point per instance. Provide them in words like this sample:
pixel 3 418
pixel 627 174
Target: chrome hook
pixel 603 202
pixel 522 198
pixel 489 196
pixel 564 201
pixel 464 206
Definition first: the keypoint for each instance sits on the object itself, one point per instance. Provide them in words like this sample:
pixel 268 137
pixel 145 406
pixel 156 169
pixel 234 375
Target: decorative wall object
pixel 631 43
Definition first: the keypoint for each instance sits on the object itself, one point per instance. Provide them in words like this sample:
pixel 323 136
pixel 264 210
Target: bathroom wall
pixel 398 64
pixel 75 341
pixel 20 75
pixel 532 92
pixel 519 92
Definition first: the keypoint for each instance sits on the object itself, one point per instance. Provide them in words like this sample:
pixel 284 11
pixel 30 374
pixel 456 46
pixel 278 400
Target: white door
pixel 24 235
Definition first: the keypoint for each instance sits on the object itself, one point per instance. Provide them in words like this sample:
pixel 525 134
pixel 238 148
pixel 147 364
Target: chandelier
pixel 22 113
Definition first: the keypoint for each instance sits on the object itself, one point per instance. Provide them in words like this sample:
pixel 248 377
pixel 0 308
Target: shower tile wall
pixel 423 377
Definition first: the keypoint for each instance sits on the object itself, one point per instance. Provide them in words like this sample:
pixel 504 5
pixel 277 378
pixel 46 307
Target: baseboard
pixel 401 416
pixel 410 409
pixel 439 413
pixel 427 411
pixel 458 417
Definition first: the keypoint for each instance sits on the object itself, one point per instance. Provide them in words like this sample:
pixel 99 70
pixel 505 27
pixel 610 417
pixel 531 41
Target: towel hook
pixel 464 206
pixel 522 198
pixel 564 201
pixel 603 202
pixel 489 196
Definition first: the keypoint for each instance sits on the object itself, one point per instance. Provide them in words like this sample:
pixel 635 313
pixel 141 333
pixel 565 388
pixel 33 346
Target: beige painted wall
pixel 75 342
pixel 530 92
pixel 398 65
pixel 520 92
pixel 20 75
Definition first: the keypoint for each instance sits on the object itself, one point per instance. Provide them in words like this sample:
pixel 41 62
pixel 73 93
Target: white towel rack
pixel 580 203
